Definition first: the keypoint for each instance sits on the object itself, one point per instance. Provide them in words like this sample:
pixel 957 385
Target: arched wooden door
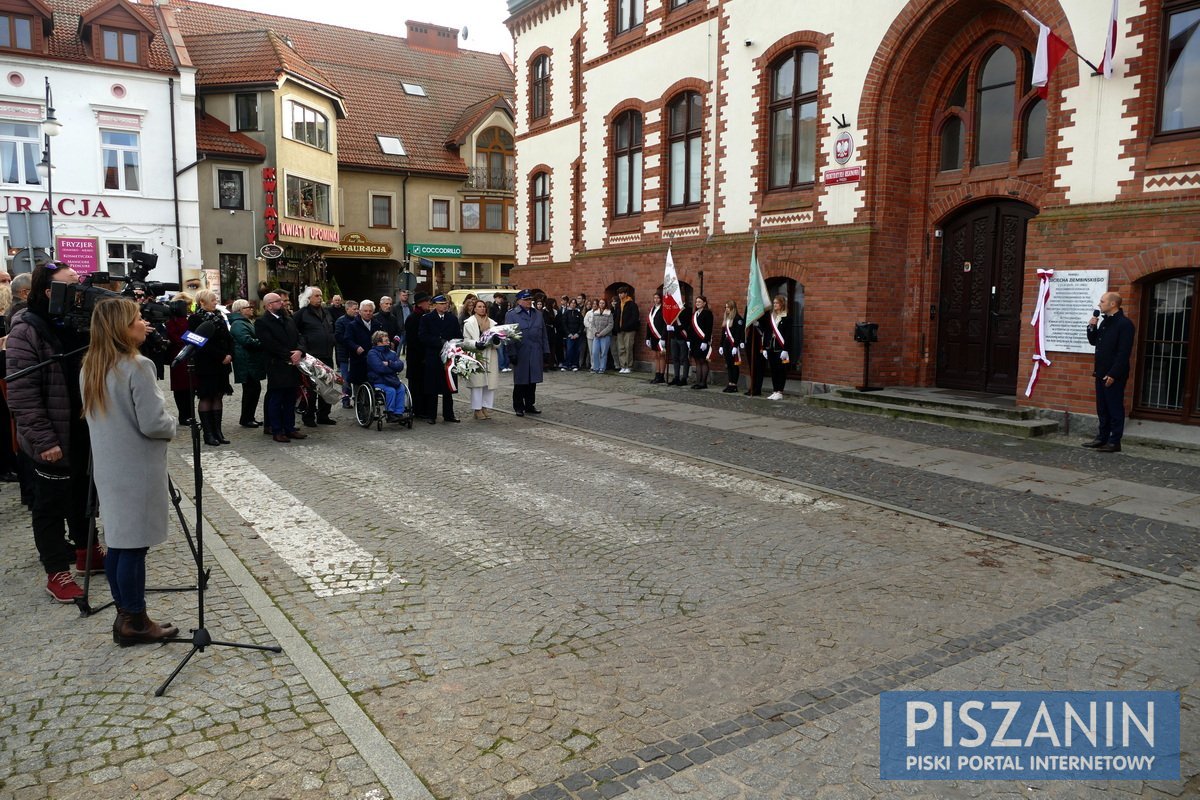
pixel 979 321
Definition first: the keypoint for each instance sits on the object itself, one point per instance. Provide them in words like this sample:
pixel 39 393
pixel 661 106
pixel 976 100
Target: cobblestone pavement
pixel 560 607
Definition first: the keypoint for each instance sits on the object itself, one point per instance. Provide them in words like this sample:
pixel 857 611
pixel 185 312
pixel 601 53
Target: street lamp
pixel 50 127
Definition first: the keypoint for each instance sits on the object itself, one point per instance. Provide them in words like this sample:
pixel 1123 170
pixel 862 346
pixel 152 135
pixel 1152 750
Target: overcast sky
pixel 483 19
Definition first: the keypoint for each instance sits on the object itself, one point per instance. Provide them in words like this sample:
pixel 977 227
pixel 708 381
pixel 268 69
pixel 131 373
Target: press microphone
pixel 1095 312
pixel 195 340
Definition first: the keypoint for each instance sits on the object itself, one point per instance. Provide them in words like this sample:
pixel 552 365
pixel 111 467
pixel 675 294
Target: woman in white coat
pixel 483 383
pixel 130 428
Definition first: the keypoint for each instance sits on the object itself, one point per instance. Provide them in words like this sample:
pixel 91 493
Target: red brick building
pixel 897 167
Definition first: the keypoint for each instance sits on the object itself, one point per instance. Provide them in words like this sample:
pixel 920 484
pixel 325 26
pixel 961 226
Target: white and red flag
pixel 1110 44
pixel 672 297
pixel 1050 51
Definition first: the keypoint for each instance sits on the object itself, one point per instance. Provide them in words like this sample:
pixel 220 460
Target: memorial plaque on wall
pixel 1074 294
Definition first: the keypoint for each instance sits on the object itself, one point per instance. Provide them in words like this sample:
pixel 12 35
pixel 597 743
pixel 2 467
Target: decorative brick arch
pixel 1149 263
pixel 906 197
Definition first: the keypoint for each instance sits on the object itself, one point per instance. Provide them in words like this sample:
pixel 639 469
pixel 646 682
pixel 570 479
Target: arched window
pixel 793 109
pixel 540 197
pixel 627 164
pixel 996 92
pixel 685 136
pixel 539 87
pixel 1000 116
pixel 494 160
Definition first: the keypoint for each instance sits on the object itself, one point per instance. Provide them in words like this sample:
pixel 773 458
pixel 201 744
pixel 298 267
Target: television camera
pixel 74 303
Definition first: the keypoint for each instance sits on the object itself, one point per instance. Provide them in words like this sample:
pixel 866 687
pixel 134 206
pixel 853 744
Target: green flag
pixel 757 301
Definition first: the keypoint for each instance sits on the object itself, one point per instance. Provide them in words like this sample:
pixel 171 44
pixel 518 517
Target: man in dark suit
pixel 281 344
pixel 1113 340
pixel 415 352
pixel 436 328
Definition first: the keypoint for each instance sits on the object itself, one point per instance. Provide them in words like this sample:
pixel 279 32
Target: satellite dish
pixel 464 33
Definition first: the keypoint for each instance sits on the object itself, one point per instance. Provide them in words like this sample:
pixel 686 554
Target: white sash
pixel 778 336
pixel 696 325
pixel 654 328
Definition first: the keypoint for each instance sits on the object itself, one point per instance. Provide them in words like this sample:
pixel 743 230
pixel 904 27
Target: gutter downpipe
pixel 175 182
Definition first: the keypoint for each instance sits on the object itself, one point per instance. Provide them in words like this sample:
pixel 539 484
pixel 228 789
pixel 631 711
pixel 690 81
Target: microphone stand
pixel 200 639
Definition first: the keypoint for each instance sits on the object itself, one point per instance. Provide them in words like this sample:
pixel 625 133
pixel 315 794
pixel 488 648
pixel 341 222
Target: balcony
pixel 481 179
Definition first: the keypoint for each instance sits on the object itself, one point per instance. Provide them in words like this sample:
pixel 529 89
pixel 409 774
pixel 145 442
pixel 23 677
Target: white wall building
pixel 127 116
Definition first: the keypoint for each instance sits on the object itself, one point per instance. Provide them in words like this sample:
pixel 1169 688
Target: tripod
pixel 201 639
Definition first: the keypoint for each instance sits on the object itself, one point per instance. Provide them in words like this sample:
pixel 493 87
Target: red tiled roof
pixel 367 69
pixel 472 115
pixel 248 57
pixel 64 41
pixel 214 137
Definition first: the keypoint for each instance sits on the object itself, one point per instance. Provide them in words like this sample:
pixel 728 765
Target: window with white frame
pixel 231 189
pixel 381 210
pixel 304 124
pixel 121 158
pixel 118 260
pixel 439 214
pixel 307 199
pixel 19 153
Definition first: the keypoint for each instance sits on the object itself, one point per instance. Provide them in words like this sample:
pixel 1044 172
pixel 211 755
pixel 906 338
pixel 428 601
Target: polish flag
pixel 1050 51
pixel 672 297
pixel 1110 44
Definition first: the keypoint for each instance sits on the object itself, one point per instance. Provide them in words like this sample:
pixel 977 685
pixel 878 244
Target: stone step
pixel 1025 428
pixel 956 406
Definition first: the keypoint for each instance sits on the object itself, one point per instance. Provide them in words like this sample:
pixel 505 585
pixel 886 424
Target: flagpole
pixel 1072 50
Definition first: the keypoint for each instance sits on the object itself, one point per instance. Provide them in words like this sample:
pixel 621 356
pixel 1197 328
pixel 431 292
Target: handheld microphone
pixel 195 340
pixel 1095 312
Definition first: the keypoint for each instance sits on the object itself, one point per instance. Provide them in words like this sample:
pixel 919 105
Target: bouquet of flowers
pixel 325 380
pixel 500 334
pixel 458 362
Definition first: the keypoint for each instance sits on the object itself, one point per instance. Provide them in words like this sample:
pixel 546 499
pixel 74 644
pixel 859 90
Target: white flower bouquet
pixel 500 334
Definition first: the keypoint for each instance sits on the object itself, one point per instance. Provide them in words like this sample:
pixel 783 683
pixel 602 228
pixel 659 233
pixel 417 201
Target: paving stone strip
pixel 663 759
pixel 1122 538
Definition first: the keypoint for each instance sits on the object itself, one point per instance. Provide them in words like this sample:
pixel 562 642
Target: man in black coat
pixel 281 346
pixel 1113 339
pixel 315 324
pixel 390 322
pixel 436 328
pixel 415 351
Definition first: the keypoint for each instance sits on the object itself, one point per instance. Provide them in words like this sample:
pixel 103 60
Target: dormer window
pixel 16 32
pixel 119 45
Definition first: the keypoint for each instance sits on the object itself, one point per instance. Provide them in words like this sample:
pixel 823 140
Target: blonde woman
pixel 129 427
pixel 482 384
pixel 212 367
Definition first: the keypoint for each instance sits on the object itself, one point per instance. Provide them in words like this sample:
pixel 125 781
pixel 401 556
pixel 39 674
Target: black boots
pixel 658 378
pixel 210 424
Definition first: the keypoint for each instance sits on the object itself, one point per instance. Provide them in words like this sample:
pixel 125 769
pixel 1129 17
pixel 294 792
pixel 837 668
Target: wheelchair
pixel 370 406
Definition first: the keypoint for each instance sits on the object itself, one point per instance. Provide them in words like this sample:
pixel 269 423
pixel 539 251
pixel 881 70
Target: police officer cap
pixel 441 298
pixel 524 294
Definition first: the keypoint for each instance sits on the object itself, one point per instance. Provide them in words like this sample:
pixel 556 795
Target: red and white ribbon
pixel 1039 328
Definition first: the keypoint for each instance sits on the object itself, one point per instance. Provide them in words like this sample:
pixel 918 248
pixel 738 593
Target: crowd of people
pixel 105 410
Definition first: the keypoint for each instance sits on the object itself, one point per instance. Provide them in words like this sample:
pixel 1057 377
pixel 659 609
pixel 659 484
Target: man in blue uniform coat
pixel 525 356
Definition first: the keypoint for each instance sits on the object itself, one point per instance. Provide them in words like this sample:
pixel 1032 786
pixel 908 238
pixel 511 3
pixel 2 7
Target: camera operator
pixel 130 428
pixel 46 405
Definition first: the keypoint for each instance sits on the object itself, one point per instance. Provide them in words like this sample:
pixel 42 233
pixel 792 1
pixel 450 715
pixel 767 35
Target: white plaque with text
pixel 1074 294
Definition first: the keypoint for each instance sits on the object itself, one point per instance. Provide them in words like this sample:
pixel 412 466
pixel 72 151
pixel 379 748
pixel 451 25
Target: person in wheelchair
pixel 383 371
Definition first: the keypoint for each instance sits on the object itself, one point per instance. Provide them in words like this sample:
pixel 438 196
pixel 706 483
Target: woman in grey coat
pixel 130 428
